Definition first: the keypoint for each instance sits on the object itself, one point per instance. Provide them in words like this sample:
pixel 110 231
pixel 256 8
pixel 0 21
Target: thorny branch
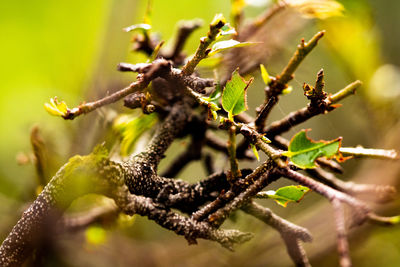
pixel 198 210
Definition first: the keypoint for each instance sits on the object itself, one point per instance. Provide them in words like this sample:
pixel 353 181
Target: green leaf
pixel 56 108
pixel 130 128
pixel 303 151
pixel 265 75
pixel 265 139
pixel 286 194
pixel 254 148
pixel 227 29
pixel 214 114
pixel 141 27
pixel 214 97
pixel 212 101
pixel 224 45
pixel 234 95
pixel 156 50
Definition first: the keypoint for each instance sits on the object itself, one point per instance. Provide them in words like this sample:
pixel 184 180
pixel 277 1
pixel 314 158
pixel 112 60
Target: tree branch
pixel 291 234
pixel 342 243
pixel 235 190
pixel 331 194
pixel 306 113
pixel 68 184
pixel 202 51
pixel 181 225
pixel 185 29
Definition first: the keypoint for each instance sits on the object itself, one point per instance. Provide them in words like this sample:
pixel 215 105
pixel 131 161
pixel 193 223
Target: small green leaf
pixel 265 75
pixel 211 102
pixel 214 97
pixel 234 95
pixel 303 151
pixel 286 194
pixel 142 27
pixel 265 139
pixel 130 128
pixel 293 193
pixel 56 108
pixel 227 29
pixel 254 148
pixel 224 45
pixel 156 50
pixel 213 106
pixel 214 114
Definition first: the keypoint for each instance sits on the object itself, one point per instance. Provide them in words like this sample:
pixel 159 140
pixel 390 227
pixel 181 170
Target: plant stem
pixel 235 173
pixel 342 243
pixel 297 117
pixel 202 51
pixel 302 51
pixel 291 234
pixel 345 92
pixel 369 152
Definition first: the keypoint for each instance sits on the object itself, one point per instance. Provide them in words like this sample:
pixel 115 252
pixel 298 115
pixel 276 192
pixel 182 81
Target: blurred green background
pixel 70 49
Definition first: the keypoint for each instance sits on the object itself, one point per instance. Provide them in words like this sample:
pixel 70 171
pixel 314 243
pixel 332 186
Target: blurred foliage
pixel 131 127
pixel 70 49
pixel 48 48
